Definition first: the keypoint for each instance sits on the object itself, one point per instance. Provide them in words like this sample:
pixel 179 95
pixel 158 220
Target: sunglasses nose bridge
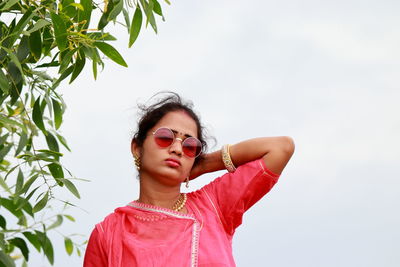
pixel 177 146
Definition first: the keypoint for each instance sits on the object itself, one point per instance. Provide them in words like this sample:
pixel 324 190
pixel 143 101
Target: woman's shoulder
pixel 113 219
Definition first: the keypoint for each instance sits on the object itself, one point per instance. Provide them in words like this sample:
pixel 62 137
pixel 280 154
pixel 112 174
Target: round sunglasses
pixel 165 137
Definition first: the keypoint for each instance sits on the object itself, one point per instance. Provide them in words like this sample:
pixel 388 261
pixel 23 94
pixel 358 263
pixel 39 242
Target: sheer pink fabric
pixel 145 235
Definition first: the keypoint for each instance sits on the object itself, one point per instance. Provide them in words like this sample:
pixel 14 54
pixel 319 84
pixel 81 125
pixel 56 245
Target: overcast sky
pixel 325 73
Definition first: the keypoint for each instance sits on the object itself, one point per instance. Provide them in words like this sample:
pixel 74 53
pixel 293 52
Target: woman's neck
pixel 157 194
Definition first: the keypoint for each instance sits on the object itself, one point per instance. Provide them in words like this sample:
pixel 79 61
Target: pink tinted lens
pixel 191 147
pixel 164 137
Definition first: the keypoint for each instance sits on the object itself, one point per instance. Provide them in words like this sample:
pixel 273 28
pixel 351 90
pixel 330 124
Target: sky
pixel 324 73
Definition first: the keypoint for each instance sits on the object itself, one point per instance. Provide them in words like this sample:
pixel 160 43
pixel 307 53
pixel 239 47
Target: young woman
pixel 165 227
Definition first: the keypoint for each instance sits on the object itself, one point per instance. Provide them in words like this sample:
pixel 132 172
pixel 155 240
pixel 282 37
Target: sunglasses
pixel 165 137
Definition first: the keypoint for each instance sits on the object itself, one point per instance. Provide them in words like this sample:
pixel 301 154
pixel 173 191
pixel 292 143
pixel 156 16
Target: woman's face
pixel 169 165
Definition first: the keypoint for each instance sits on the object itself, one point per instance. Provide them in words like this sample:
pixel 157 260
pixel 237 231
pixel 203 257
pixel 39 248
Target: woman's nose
pixel 176 147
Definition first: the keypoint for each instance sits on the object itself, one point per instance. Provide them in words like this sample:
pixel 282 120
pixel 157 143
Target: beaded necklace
pixel 180 203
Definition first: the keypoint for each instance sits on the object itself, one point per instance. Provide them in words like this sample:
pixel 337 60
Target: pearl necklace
pixel 180 203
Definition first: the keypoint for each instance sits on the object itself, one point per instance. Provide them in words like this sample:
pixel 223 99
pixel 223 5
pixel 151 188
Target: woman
pixel 165 227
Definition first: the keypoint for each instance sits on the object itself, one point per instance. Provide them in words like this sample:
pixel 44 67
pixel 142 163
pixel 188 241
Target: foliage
pixel 43 42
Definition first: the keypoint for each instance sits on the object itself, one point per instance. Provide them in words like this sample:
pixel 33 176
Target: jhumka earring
pixel 137 162
pixel 187 182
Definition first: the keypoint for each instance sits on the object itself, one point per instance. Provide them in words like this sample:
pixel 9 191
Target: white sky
pixel 324 73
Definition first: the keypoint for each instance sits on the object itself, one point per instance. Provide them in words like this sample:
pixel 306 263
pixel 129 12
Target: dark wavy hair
pixel 166 102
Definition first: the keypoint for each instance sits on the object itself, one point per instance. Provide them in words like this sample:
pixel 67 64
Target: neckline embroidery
pixel 165 211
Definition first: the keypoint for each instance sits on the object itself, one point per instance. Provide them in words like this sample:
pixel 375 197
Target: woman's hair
pixel 152 114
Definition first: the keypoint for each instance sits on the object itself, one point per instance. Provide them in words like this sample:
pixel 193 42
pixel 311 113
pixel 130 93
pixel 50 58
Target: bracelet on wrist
pixel 226 158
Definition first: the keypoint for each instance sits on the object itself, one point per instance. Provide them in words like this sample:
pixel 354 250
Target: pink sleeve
pixel 94 255
pixel 236 192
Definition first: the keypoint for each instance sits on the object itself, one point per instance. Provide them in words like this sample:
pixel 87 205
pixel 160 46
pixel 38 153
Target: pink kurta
pixel 145 235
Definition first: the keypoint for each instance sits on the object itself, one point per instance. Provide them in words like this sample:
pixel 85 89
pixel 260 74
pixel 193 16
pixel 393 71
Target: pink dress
pixel 145 235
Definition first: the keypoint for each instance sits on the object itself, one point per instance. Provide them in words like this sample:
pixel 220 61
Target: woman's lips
pixel 173 162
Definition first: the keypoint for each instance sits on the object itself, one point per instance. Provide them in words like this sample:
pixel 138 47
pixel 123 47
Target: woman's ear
pixel 135 149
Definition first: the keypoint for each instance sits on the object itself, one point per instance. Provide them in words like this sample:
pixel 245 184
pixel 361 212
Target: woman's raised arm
pixel 275 151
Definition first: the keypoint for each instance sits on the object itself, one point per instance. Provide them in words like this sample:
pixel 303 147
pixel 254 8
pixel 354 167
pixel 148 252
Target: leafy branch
pixel 43 43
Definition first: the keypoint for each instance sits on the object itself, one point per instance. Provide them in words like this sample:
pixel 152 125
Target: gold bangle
pixel 226 158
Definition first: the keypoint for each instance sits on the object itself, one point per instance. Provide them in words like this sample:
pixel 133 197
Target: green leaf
pixel 94 68
pixel 46 245
pixel 23 203
pixel 63 142
pixel 104 18
pixel 21 244
pixel 9 123
pixel 10 206
pixel 35 44
pixel 33 239
pixel 70 8
pixel 60 31
pixel 22 221
pixel 56 170
pixel 52 142
pixel 20 182
pixel 78 6
pixel 38 25
pixel 46 65
pixel 126 17
pixel 148 9
pixel 26 18
pixel 78 66
pixel 3 222
pixel 26 206
pixel 64 75
pixel 4 151
pixel 66 60
pixel 57 223
pixel 116 10
pixel 9 4
pixel 103 21
pixel 102 36
pixel 14 59
pixel 111 53
pixel 23 48
pixel 85 14
pixel 4 83
pixel 157 8
pixel 48 40
pixel 37 115
pixel 69 217
pixel 28 183
pixel 6 260
pixel 71 187
pixel 3 139
pixel 15 77
pixel 68 245
pixel 4 185
pixel 42 203
pixel 135 26
pixel 57 113
pixel 23 140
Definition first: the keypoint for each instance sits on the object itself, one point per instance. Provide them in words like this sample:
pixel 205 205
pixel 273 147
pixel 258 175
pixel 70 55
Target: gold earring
pixel 137 162
pixel 187 182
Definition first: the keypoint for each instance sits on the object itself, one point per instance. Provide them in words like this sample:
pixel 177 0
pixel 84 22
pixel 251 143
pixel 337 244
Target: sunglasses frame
pixel 180 139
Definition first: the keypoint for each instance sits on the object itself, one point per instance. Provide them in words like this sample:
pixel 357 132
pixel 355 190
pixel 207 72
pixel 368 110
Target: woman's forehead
pixel 178 121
